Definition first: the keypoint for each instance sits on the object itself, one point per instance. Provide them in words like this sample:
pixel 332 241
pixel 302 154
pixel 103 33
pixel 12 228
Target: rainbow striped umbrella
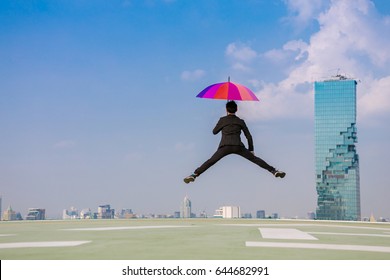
pixel 228 91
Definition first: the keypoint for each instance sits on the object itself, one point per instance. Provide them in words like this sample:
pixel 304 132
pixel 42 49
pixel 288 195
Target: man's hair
pixel 231 107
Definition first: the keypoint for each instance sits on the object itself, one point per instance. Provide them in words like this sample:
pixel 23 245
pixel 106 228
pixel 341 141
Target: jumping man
pixel 231 127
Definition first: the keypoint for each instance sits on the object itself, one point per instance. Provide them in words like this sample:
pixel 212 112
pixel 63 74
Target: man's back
pixel 231 127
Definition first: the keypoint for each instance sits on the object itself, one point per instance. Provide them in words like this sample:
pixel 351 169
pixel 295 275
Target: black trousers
pixel 227 150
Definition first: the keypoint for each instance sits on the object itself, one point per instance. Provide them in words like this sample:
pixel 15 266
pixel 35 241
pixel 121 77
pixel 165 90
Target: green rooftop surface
pixel 189 239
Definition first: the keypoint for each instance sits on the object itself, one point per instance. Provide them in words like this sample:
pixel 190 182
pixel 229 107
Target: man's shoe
pixel 279 174
pixel 189 179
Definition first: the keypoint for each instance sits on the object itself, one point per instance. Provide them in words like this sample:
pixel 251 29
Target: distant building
pixel 126 214
pixel 247 216
pixel 176 214
pixel 162 216
pixel 260 214
pixel 1 207
pixel 186 208
pixel 70 214
pixel 218 213
pixel 274 216
pixel 9 215
pixel 203 215
pixel 228 212
pixel 105 212
pixel 337 162
pixel 86 214
pixel 36 214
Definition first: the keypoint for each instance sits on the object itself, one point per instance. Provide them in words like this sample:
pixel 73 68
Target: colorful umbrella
pixel 228 91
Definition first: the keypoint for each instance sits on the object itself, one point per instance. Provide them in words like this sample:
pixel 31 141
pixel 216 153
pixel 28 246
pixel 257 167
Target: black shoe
pixel 279 174
pixel 189 179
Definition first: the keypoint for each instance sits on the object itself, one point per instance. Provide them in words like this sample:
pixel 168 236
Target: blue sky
pixel 97 101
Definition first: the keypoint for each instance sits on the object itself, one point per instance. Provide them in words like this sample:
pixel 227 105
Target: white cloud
pixel 352 37
pixel 240 52
pixel 192 75
pixel 241 57
pixel 358 28
pixel 303 11
pixel 296 45
pixel 275 55
pixel 295 48
pixel 240 67
pixel 377 99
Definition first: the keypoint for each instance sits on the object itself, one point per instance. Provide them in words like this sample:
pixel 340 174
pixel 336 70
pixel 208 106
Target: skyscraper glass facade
pixel 337 162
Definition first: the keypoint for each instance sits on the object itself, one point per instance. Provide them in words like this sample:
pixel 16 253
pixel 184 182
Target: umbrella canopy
pixel 228 91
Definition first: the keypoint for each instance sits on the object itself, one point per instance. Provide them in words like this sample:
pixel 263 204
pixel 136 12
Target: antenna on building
pixel 340 77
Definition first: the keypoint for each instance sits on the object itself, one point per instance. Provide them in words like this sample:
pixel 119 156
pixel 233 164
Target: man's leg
pixel 256 160
pixel 220 153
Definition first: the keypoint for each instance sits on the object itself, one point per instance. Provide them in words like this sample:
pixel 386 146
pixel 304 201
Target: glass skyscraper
pixel 337 163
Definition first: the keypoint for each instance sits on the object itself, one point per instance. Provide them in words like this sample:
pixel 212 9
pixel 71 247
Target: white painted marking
pixel 335 225
pixel 381 249
pixel 285 233
pixel 42 244
pixel 124 228
pixel 4 235
pixel 351 234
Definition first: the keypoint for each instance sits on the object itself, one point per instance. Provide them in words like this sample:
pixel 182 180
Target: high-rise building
pixel 337 162
pixel 186 208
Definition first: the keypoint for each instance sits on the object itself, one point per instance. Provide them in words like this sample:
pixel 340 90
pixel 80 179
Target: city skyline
pixel 185 211
pixel 181 212
pixel 98 100
pixel 107 212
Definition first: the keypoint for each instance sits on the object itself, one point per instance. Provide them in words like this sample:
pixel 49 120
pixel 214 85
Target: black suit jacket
pixel 231 127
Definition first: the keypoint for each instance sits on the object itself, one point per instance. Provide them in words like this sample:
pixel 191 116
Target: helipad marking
pixel 285 233
pixel 42 244
pixel 351 234
pixel 306 225
pixel 124 228
pixel 381 249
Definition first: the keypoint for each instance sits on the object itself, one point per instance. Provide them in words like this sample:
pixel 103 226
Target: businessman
pixel 231 127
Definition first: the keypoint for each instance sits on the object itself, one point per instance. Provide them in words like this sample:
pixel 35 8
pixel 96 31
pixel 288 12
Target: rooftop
pixel 187 239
